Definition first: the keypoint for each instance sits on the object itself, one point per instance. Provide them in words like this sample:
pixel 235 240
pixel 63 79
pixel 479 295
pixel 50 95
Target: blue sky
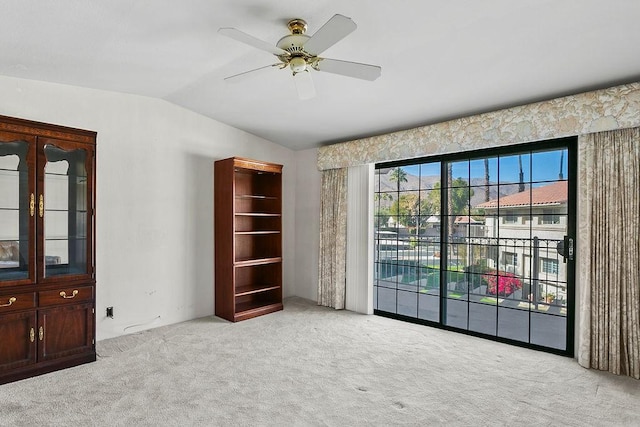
pixel 536 166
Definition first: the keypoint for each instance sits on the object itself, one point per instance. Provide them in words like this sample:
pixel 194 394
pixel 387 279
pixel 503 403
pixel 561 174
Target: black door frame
pixel 571 144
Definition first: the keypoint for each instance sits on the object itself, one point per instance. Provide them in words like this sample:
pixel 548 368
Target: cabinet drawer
pixel 72 295
pixel 15 302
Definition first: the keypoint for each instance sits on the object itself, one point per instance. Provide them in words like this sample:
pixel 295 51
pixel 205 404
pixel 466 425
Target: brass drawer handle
pixel 63 294
pixel 11 301
pixel 32 335
pixel 32 204
pixel 41 333
pixel 41 206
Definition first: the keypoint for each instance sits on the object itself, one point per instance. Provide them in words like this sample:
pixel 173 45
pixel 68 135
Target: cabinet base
pixel 45 367
pixel 253 312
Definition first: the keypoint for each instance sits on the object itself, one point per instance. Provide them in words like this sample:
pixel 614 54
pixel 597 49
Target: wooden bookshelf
pixel 248 238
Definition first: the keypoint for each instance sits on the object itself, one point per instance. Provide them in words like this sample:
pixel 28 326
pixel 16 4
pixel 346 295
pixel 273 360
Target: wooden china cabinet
pixel 47 280
pixel 248 238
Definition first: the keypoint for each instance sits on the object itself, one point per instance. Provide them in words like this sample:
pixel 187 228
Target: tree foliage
pixel 398 175
pixel 412 209
pixel 406 209
pixel 459 197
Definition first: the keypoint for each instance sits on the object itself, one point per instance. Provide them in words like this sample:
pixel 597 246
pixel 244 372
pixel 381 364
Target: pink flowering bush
pixel 505 283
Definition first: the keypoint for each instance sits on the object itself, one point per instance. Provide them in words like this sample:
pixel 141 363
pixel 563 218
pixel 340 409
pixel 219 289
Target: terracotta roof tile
pixel 551 194
pixel 466 219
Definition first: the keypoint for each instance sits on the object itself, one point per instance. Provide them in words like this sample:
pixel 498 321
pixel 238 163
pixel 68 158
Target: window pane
pixel 513 323
pixel 548 330
pixel 514 168
pixel 485 199
pixel 387 274
pixel 483 317
pixel 484 171
pixel 409 279
pixel 458 174
pixel 430 254
pixel 430 206
pixel 387 300
pixel 456 313
pixel 551 196
pixel 429 281
pixel 401 178
pixel 429 174
pixel 477 282
pixel 549 165
pixel 429 306
pixel 459 200
pixel 408 303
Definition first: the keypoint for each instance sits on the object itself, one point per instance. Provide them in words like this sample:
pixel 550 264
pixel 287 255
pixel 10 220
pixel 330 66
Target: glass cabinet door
pixel 17 208
pixel 65 209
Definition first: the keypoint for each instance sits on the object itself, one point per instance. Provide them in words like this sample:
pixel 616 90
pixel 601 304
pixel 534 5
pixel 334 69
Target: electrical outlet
pixel 110 312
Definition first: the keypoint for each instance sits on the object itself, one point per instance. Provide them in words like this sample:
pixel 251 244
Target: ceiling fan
pixel 299 52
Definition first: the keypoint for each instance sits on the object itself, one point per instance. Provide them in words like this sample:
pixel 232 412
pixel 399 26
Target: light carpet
pixel 310 365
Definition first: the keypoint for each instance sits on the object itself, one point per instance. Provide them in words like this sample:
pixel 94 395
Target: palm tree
pixel 450 198
pixel 521 183
pixel 560 176
pixel 486 180
pixel 398 175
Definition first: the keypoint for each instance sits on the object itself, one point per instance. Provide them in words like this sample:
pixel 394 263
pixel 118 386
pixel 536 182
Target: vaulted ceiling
pixel 440 59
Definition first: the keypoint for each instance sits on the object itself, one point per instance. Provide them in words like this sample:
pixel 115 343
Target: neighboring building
pixel 466 226
pixel 530 225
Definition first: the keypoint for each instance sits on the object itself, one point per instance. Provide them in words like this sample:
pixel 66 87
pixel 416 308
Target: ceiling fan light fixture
pixel 298 64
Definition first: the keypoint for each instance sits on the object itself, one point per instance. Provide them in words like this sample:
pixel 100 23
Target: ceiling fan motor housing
pixel 294 44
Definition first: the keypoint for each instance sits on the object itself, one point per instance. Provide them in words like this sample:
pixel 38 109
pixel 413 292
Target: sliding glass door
pixel 480 242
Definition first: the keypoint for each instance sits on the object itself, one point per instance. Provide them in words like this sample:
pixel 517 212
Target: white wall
pixel 307 230
pixel 154 198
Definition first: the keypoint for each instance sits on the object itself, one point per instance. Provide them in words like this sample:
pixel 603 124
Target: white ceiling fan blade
pixel 304 85
pixel 334 30
pixel 251 41
pixel 241 76
pixel 350 69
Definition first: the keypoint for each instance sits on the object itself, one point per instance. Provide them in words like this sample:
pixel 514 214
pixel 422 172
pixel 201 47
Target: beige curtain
pixel 333 238
pixel 609 251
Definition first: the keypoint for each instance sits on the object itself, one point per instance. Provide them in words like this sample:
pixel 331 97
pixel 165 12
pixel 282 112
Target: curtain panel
pixel 333 238
pixel 609 251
